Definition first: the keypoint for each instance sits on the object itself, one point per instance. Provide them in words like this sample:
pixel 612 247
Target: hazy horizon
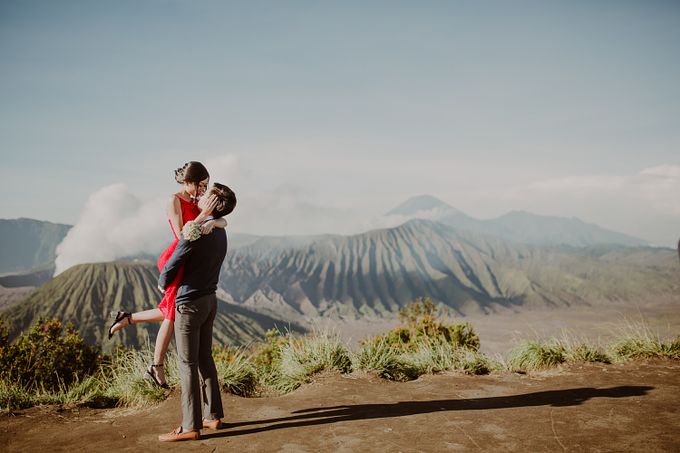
pixel 323 117
pixel 380 220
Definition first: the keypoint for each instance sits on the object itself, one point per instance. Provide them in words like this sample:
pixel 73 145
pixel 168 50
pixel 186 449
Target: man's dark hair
pixel 226 200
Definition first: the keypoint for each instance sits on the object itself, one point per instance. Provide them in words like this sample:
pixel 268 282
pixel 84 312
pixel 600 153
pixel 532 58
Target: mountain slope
pixel 28 244
pixel 33 278
pixel 545 230
pixel 378 272
pixel 85 295
pixel 15 287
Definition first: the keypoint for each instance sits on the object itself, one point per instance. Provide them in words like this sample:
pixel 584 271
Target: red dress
pixel 167 306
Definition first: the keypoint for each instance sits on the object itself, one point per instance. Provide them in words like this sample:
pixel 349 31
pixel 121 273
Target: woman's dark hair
pixel 226 200
pixel 192 172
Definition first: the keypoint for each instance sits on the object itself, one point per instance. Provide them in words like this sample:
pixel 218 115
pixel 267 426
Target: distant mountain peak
pixel 418 204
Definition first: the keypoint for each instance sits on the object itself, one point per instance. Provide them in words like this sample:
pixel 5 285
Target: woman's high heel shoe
pixel 119 317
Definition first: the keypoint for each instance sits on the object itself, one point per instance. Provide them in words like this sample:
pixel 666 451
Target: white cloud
pixel 580 183
pixel 654 188
pixel 275 199
pixel 665 171
pixel 660 187
pixel 113 224
pixel 287 210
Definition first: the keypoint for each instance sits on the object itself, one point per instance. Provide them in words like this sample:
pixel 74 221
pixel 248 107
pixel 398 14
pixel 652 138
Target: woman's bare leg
pixel 153 315
pixel 162 344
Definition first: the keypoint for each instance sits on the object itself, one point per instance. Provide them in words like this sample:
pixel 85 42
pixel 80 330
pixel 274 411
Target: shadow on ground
pixel 335 414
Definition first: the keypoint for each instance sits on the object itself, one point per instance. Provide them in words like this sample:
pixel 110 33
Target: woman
pixel 182 208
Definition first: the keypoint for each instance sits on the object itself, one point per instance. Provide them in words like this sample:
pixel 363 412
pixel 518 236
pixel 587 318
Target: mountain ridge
pixel 378 272
pixel 517 225
pixel 28 243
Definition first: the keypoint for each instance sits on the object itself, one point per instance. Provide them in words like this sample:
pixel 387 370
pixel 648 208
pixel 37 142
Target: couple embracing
pixel 200 256
pixel 190 269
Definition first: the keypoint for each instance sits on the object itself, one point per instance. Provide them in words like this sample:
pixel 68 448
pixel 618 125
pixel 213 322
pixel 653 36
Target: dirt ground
pixel 589 407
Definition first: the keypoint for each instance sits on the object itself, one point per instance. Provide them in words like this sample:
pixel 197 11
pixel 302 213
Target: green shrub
pixel 462 335
pixel 399 336
pixel 420 311
pixel 421 320
pixel 48 357
pixel 266 355
pixel 424 356
pixel 4 337
pixel 422 344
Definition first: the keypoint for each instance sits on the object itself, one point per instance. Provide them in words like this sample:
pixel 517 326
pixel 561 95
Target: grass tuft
pixel 585 352
pixel 14 396
pixel 303 357
pixel 637 341
pixel 581 349
pixel 534 355
pixel 127 384
pixel 236 371
pixel 672 349
pixel 384 359
pixel 283 362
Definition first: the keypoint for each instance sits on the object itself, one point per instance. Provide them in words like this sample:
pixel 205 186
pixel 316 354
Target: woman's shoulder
pixel 174 203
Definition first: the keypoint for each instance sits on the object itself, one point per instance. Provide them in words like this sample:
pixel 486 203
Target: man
pixel 196 309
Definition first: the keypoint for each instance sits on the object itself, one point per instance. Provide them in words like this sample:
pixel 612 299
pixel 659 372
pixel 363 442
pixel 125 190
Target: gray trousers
pixel 193 335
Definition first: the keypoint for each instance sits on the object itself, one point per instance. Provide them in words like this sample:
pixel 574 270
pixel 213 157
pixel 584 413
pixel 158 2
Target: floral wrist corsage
pixel 191 231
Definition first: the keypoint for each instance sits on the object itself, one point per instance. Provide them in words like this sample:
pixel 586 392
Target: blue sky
pixel 341 110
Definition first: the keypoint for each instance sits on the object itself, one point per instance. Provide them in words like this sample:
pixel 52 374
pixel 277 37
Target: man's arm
pixel 171 268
